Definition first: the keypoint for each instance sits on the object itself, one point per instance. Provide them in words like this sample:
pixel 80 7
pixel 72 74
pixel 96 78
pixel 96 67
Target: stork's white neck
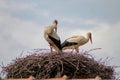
pixel 54 25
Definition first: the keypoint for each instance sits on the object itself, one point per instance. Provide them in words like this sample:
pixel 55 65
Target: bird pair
pixel 51 36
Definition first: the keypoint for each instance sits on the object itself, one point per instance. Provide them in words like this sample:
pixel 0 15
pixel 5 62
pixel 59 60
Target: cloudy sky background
pixel 22 23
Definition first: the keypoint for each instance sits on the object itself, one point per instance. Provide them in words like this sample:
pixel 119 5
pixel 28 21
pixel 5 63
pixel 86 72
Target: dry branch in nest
pixel 50 65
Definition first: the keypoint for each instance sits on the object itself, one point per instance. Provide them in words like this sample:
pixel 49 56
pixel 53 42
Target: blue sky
pixel 22 23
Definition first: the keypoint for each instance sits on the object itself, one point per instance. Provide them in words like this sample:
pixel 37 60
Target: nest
pixel 51 65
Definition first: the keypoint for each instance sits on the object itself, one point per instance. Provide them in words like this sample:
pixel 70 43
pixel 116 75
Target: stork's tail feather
pixel 56 42
pixel 66 44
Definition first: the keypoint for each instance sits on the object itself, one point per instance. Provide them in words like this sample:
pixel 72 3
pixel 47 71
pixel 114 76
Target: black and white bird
pixel 75 42
pixel 51 36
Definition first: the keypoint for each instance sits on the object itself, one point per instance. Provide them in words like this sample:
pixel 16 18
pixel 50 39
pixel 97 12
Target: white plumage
pixel 50 34
pixel 75 42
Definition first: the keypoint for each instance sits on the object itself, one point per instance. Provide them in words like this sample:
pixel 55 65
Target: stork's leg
pixel 51 49
pixel 77 50
pixel 72 50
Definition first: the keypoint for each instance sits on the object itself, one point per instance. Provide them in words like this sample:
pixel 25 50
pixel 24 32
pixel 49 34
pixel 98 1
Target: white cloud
pixel 17 35
pixel 107 35
pixel 12 7
pixel 9 5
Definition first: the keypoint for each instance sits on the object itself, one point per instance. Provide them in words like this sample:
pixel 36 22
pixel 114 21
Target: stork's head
pixel 90 36
pixel 55 22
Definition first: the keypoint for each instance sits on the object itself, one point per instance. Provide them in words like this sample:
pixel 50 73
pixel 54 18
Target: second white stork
pixel 50 34
pixel 75 42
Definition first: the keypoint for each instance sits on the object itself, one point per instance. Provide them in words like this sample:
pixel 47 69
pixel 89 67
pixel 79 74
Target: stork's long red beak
pixel 91 39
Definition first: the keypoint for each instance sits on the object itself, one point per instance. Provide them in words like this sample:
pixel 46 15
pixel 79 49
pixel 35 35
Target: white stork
pixel 75 41
pixel 50 34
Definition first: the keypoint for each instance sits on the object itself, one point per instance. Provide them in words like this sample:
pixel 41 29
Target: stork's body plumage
pixel 51 36
pixel 75 42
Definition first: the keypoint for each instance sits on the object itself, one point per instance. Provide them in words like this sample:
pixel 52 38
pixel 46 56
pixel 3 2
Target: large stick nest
pixel 50 65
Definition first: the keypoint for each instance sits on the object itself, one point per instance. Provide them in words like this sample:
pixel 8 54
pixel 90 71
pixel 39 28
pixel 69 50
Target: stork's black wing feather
pixel 66 43
pixel 57 42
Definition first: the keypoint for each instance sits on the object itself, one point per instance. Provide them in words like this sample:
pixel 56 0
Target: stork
pixel 75 42
pixel 51 36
